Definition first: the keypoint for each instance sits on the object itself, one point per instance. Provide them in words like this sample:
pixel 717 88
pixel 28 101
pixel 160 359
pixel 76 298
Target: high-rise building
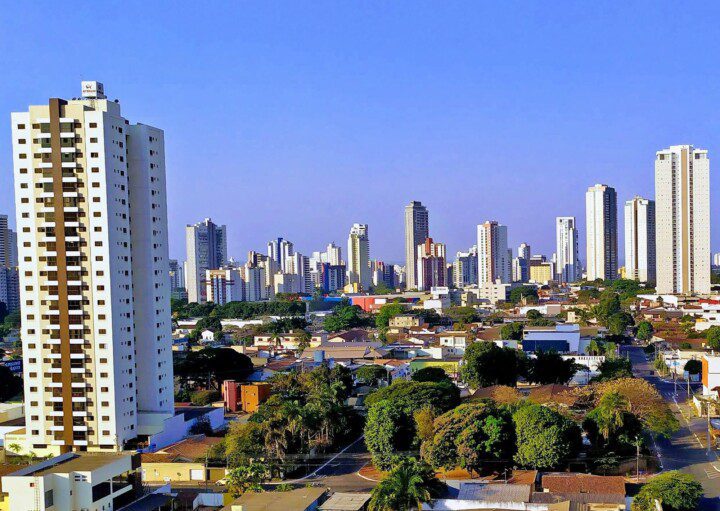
pixel 640 239
pixel 332 277
pixel 224 285
pixel 92 233
pixel 682 220
pixel 431 269
pixel 358 264
pixel 417 230
pixel 601 226
pixel 567 255
pixel 493 258
pixel 521 264
pixel 716 259
pixel 465 269
pixel 177 275
pixel 280 250
pixel 206 245
pixel 541 270
pixel 298 264
pixel 9 280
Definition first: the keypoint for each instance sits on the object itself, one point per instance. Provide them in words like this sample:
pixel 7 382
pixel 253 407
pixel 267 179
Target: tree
pixel 10 385
pixel 214 365
pixel 545 439
pixel 609 305
pixel 485 364
pixel 247 478
pixel 433 374
pixel 594 347
pixel 344 317
pixel 386 313
pixel 693 366
pixel 645 402
pixel 675 490
pixel 644 331
pixel 712 337
pixel 518 293
pixel 550 367
pixel 512 331
pixel 469 435
pixel 618 323
pixel 614 368
pixel 204 397
pixel 243 443
pixel 610 413
pixel 406 487
pixel 371 374
pixel 390 427
pixel 463 315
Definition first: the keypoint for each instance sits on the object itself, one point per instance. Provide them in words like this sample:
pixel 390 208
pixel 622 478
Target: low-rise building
pixel 301 499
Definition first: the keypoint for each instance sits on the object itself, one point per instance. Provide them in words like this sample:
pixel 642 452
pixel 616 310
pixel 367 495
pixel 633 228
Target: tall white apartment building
pixel 567 254
pixel 358 266
pixel 601 227
pixel 682 220
pixel 299 265
pixel 464 268
pixel 224 285
pixel 206 248
pixel 494 261
pixel 431 269
pixel 280 250
pixel 640 239
pixel 417 230
pixel 92 233
pixel 255 283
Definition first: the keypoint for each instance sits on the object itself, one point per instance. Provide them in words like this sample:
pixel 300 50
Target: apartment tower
pixel 567 252
pixel 601 227
pixel 431 268
pixel 640 239
pixel 92 235
pixel 358 265
pixel 206 249
pixel 682 220
pixel 494 260
pixel 417 230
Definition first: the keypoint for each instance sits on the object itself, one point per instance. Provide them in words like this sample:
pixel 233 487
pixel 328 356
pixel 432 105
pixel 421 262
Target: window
pixel 93 125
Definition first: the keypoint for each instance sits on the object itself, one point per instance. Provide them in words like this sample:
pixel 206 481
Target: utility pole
pixel 637 459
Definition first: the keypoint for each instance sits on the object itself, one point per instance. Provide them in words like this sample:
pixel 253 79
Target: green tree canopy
pixel 462 314
pixel 549 367
pixel 644 331
pixel 614 368
pixel 693 366
pixel 344 317
pixel 371 374
pixel 386 313
pixel 214 365
pixel 512 331
pixel 675 490
pixel 545 438
pixel 712 337
pixel 406 487
pixel 432 374
pixel 485 364
pixel 469 435
pixel 518 293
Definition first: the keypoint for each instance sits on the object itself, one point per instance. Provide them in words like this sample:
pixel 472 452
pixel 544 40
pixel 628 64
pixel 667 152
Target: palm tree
pixel 406 487
pixel 610 413
pixel 593 347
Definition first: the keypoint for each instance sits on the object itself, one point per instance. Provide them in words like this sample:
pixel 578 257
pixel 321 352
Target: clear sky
pixel 297 119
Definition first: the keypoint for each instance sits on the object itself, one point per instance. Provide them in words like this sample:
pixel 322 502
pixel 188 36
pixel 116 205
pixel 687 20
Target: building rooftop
pixel 295 500
pixel 492 492
pixel 568 482
pixel 345 502
pixel 70 462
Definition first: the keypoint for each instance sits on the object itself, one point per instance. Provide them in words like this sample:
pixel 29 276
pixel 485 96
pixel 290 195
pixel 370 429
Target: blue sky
pixel 297 119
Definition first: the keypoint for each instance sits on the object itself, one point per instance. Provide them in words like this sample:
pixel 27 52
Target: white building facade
pixel 92 220
pixel 601 226
pixel 567 254
pixel 206 246
pixel 493 257
pixel 640 239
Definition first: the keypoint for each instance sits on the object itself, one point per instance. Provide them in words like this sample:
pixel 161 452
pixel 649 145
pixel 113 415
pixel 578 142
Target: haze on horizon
pixel 284 119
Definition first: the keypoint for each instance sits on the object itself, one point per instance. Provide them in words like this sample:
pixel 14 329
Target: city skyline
pixel 358 120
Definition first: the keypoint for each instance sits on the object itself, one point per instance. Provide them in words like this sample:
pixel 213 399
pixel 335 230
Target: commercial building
pixel 280 250
pixel 640 239
pixel 567 252
pixel 541 270
pixel 92 235
pixel 206 246
pixel 431 270
pixel 358 264
pixel 332 277
pixel 601 228
pixel 682 221
pixel 417 230
pixel 493 256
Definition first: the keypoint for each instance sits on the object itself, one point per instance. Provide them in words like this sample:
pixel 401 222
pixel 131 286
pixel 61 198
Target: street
pixel 687 449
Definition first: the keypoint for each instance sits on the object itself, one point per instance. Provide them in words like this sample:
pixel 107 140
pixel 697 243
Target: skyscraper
pixel 493 257
pixel 177 275
pixel 567 254
pixel 601 227
pixel 9 280
pixel 206 248
pixel 358 265
pixel 521 264
pixel 640 239
pixel 92 232
pixel 280 250
pixel 465 269
pixel 431 269
pixel 682 220
pixel 417 230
